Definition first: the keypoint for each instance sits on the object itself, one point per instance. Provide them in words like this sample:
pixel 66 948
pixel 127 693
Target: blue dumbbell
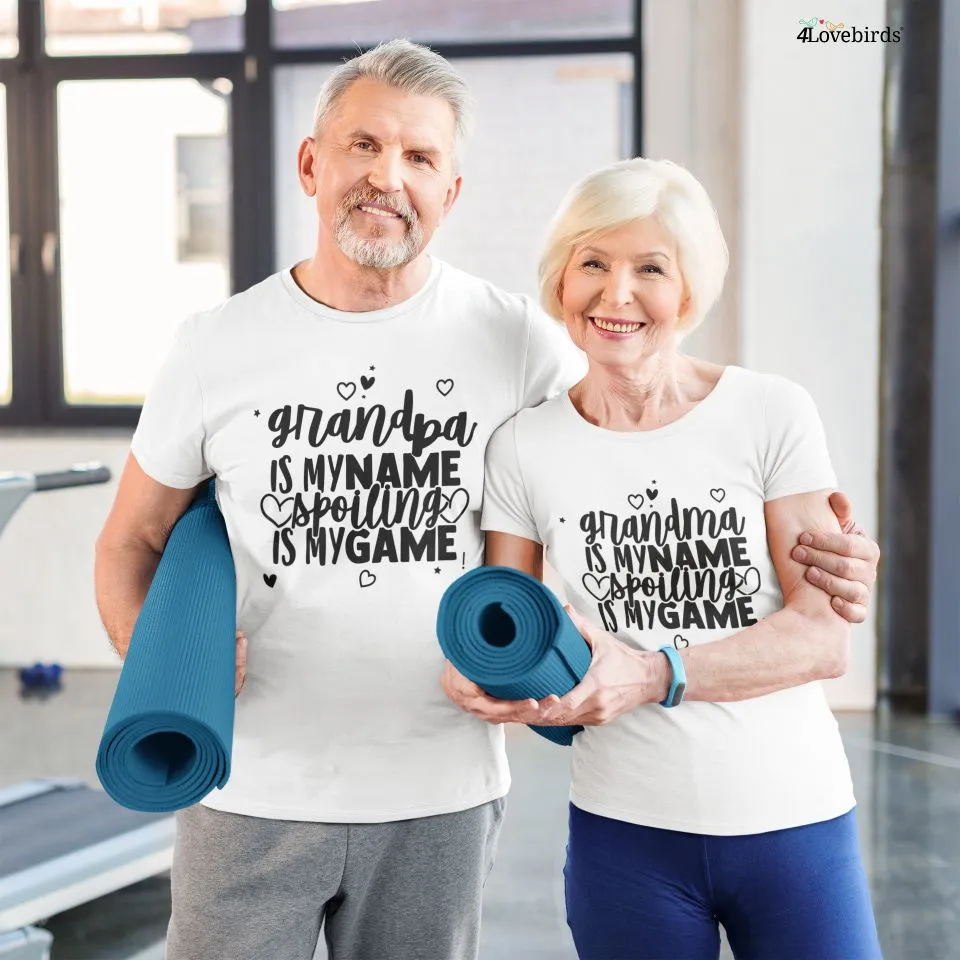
pixel 41 676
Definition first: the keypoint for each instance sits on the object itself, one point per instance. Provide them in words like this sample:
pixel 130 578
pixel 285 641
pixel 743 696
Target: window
pixel 127 221
pixel 203 199
pixel 327 23
pixel 88 27
pixel 152 175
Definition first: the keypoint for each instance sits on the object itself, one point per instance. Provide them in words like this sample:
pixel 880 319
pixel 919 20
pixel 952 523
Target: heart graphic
pixel 598 588
pixel 270 580
pixel 652 494
pixel 367 579
pixel 367 382
pixel 346 390
pixel 457 502
pixel 444 386
pixel 278 512
pixel 718 493
pixel 635 500
pixel 679 642
pixel 749 583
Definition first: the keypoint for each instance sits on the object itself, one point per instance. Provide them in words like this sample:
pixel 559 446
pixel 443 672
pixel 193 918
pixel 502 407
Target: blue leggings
pixel 639 893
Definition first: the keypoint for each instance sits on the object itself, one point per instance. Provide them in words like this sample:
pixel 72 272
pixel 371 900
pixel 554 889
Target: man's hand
pixel 842 564
pixel 619 679
pixel 468 696
pixel 241 663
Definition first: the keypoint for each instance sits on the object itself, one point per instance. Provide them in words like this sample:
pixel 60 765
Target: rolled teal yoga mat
pixel 169 733
pixel 508 633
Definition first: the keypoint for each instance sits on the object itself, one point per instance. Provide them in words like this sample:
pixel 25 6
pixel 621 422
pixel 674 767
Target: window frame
pixel 31 79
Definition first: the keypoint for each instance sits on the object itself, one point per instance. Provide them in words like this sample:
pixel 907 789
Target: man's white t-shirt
pixel 348 450
pixel 659 537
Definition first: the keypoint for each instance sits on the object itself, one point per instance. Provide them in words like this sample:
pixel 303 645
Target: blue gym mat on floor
pixel 509 634
pixel 169 734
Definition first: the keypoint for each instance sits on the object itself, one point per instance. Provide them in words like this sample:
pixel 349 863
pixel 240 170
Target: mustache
pixel 366 194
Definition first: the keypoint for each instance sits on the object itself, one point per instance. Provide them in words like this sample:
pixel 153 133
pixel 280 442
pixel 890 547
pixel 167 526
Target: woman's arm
pixel 507 550
pixel 804 641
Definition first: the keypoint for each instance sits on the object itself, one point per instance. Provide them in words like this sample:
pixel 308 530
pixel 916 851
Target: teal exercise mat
pixel 169 734
pixel 508 633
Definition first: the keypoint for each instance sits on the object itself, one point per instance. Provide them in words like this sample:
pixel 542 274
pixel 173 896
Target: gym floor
pixel 906 773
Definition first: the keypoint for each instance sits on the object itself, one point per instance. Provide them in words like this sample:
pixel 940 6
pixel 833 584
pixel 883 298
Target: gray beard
pixel 378 253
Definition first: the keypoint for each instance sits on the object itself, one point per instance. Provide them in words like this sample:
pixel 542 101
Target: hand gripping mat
pixel 508 633
pixel 169 734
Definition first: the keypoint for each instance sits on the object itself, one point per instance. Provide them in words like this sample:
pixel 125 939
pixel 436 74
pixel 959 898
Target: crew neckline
pixel 307 302
pixel 686 422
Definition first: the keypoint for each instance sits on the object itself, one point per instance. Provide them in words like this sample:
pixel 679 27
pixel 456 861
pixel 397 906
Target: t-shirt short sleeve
pixel 506 508
pixel 552 363
pixel 797 459
pixel 169 440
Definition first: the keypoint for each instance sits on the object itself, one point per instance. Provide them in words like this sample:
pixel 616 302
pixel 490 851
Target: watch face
pixel 678 694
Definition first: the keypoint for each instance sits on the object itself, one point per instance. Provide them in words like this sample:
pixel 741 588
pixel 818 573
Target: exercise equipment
pixel 62 843
pixel 41 676
pixel 169 735
pixel 509 634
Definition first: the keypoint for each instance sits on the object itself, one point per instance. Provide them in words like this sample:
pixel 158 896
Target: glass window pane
pixel 325 23
pixel 144 224
pixel 6 373
pixel 9 45
pixel 516 167
pixel 88 27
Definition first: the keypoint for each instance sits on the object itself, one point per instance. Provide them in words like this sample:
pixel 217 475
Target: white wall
pixel 810 247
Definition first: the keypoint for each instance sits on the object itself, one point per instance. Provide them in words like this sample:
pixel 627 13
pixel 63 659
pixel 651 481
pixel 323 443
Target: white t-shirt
pixel 659 537
pixel 348 450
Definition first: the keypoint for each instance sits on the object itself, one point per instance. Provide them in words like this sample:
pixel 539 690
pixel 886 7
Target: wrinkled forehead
pixel 416 121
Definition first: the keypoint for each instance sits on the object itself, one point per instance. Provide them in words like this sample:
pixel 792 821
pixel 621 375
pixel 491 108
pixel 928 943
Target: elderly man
pixel 344 406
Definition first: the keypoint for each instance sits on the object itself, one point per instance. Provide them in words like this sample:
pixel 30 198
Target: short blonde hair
pixel 407 66
pixel 629 190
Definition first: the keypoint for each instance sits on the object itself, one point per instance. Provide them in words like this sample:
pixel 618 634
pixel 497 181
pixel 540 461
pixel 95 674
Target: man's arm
pixel 843 565
pixel 129 548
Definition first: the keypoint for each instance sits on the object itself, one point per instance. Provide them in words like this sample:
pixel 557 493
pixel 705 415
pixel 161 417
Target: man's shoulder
pixel 255 302
pixel 541 419
pixel 486 295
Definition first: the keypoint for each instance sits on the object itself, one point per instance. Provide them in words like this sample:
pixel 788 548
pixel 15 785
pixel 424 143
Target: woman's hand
pixel 618 680
pixel 468 696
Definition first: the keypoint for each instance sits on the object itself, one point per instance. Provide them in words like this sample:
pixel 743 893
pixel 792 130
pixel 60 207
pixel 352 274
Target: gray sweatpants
pixel 246 888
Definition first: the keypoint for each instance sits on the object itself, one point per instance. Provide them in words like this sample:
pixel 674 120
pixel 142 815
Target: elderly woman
pixel 710 784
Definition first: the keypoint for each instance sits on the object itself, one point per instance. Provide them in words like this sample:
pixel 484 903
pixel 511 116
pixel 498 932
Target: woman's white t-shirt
pixel 659 537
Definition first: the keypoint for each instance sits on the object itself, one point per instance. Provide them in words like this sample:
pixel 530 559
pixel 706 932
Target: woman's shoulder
pixel 776 405
pixel 766 388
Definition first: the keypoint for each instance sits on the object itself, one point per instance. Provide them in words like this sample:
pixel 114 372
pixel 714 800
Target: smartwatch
pixel 678 684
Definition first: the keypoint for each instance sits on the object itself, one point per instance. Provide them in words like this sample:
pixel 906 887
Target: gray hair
pixel 406 66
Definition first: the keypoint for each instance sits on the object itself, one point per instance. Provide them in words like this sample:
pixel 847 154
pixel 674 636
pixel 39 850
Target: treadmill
pixel 63 843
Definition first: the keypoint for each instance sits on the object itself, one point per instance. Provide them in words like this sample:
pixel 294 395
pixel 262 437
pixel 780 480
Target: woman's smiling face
pixel 622 294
